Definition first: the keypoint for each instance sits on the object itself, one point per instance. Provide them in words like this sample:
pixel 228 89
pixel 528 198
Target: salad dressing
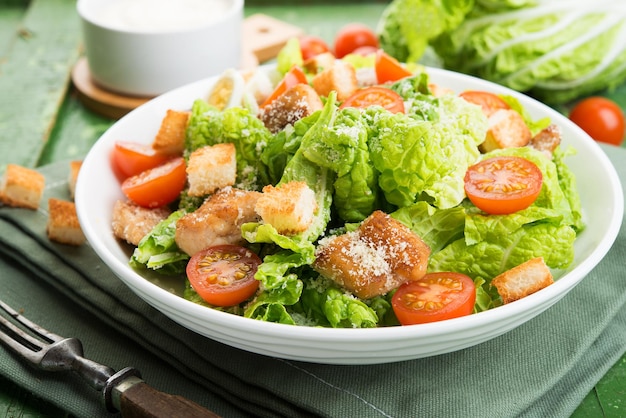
pixel 160 15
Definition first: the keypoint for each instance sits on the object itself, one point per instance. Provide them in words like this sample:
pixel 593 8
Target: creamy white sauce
pixel 160 15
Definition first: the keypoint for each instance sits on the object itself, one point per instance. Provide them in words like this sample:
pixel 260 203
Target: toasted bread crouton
pixel 290 207
pixel 319 62
pixel 63 226
pixel 170 139
pixel 547 140
pixel 21 187
pixel 71 181
pixel 520 281
pixel 377 257
pixel 210 168
pixel 132 222
pixel 296 103
pixel 506 129
pixel 218 221
pixel 341 77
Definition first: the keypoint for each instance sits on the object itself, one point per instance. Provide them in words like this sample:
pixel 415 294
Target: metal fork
pixel 123 391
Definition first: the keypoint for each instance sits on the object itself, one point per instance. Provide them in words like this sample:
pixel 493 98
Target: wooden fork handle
pixel 141 401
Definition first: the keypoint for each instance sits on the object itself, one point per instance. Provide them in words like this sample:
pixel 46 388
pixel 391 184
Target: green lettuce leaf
pixel 436 227
pixel 280 287
pixel 209 126
pixel 487 259
pixel 427 160
pixel 331 306
pixel 158 250
pixel 407 26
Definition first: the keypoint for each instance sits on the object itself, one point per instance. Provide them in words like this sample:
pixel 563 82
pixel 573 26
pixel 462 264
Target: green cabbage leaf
pixel 554 50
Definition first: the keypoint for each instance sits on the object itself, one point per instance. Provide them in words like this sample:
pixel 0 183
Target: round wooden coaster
pixel 98 99
pixel 115 105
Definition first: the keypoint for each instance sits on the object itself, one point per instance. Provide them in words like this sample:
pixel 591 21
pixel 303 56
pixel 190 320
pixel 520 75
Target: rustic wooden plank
pixel 11 15
pixel 34 78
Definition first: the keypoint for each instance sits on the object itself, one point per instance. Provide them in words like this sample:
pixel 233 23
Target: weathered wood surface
pixel 40 43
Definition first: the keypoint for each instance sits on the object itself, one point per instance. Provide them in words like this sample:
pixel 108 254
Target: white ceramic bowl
pixel 148 47
pixel 602 201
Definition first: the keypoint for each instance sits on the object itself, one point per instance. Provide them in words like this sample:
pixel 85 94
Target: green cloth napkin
pixel 543 368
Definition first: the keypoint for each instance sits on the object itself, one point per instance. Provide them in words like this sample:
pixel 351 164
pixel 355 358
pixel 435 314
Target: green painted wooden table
pixel 42 121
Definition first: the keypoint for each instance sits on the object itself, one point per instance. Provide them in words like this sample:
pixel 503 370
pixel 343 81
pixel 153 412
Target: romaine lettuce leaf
pixel 158 250
pixel 427 160
pixel 487 259
pixel 436 227
pixel 334 307
pixel 209 126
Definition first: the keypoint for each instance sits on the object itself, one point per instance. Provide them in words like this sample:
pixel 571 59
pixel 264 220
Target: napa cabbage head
pixel 555 50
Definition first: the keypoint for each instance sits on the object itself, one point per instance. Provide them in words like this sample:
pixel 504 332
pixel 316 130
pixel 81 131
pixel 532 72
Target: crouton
pixel 132 222
pixel 210 168
pixel 22 187
pixel 63 226
pixel 218 221
pixel 377 257
pixel 341 78
pixel 547 140
pixel 319 62
pixel 294 104
pixel 71 181
pixel 506 129
pixel 523 280
pixel 290 207
pixel 170 139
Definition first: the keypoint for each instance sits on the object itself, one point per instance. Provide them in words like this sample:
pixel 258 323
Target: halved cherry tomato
pixel 353 36
pixel 131 158
pixel 293 77
pixel 311 46
pixel 389 69
pixel 434 297
pixel 223 275
pixel 601 118
pixel 489 102
pixel 503 185
pixel 157 186
pixel 375 95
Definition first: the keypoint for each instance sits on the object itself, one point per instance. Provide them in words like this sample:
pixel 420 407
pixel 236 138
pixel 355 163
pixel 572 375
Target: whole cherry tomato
pixel 353 36
pixel 311 46
pixel 601 118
